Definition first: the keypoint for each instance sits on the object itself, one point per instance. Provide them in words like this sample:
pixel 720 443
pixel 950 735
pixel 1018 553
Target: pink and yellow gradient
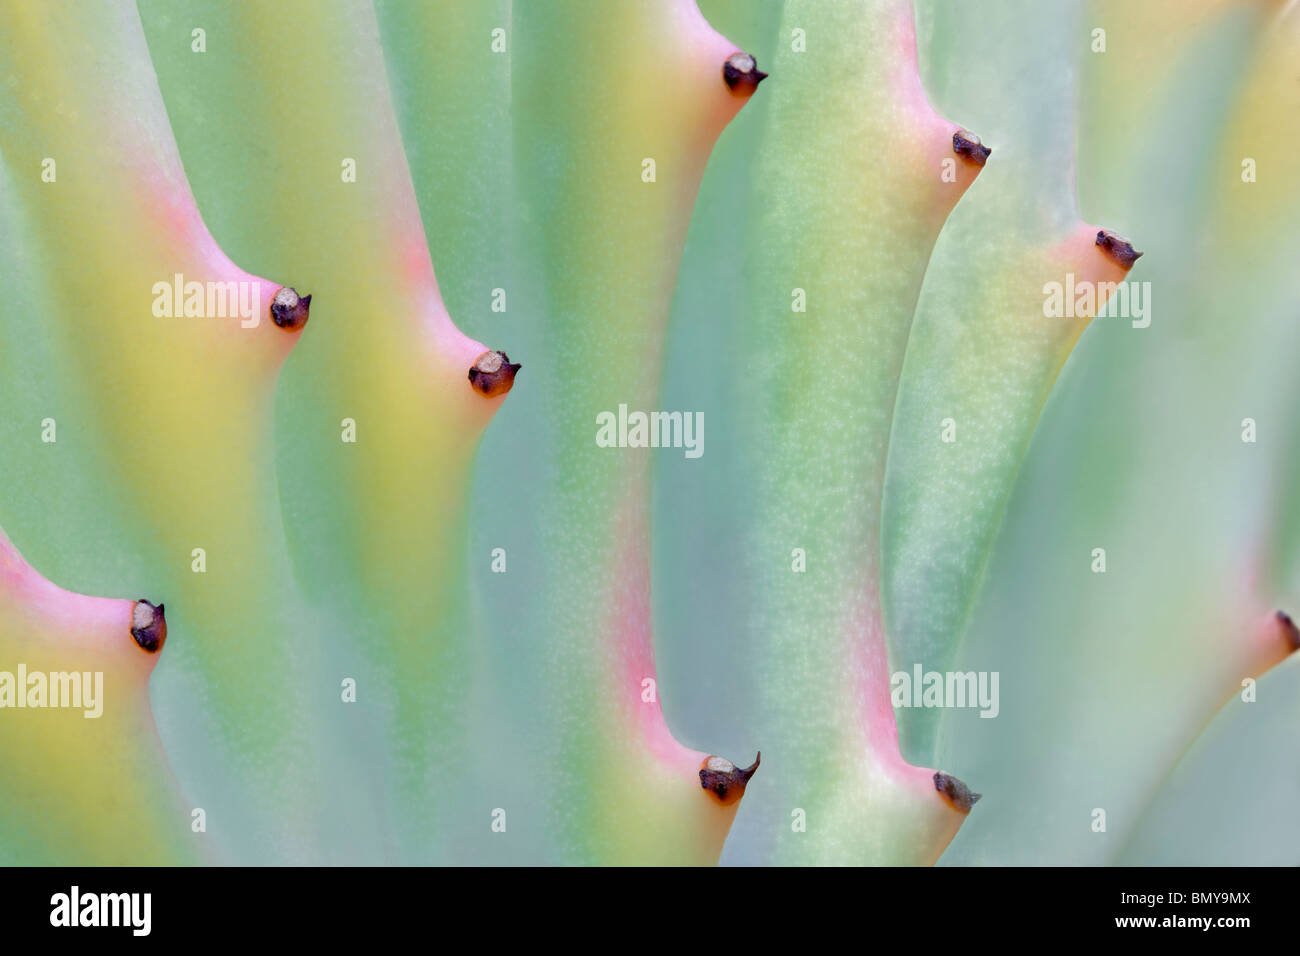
pixel 172 411
pixel 645 82
pixel 83 785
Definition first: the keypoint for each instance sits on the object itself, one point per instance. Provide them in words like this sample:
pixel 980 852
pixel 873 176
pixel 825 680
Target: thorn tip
pixel 148 626
pixel 959 796
pixel 1118 249
pixel 1290 633
pixel 724 781
pixel 741 74
pixel 493 374
pixel 970 148
pixel 290 311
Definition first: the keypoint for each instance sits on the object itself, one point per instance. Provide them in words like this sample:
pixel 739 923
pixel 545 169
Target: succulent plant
pixel 387 593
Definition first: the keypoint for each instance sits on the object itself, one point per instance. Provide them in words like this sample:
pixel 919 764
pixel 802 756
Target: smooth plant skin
pixel 375 520
pixel 403 604
pixel 1245 760
pixel 1141 452
pixel 682 151
pixel 450 68
pixel 79 789
pixel 852 202
pixel 612 242
pixel 172 413
pixel 981 361
pixel 1252 638
pixel 436 619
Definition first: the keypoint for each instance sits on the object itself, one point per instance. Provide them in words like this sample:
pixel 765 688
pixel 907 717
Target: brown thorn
pixel 1119 249
pixel 290 311
pixel 492 374
pixel 148 626
pixel 959 796
pixel 969 147
pixel 1290 633
pixel 741 74
pixel 724 781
